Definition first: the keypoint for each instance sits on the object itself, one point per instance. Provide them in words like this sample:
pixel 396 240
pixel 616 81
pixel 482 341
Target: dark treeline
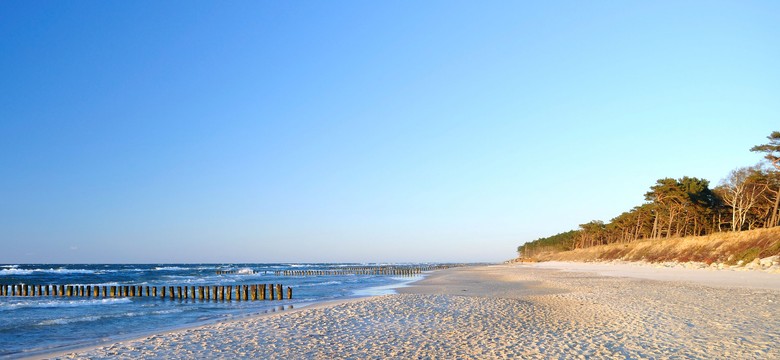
pixel 747 198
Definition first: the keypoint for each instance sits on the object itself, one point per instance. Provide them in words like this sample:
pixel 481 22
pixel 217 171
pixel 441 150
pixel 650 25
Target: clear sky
pixel 290 131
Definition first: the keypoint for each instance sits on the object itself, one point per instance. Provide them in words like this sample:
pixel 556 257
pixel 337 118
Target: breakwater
pixel 248 292
pixel 355 270
pixel 47 321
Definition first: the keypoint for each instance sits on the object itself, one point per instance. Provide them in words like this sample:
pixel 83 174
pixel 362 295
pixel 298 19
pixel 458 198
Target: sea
pixel 38 325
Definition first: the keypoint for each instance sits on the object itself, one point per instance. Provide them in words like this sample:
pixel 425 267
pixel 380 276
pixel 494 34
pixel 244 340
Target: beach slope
pixel 498 311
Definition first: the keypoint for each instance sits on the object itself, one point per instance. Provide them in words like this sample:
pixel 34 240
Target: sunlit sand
pixel 503 311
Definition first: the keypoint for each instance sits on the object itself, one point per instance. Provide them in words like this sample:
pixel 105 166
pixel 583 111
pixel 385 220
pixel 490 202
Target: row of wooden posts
pixel 209 293
pixel 370 270
pixel 365 270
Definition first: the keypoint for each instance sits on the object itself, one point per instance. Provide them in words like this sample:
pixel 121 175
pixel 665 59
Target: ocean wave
pixel 66 271
pixel 169 268
pixel 61 303
pixel 63 321
pixel 17 271
pixel 89 318
pixel 407 278
pixel 320 284
pixel 113 283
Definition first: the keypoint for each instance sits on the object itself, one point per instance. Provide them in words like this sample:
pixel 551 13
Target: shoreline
pixel 496 311
pixel 287 309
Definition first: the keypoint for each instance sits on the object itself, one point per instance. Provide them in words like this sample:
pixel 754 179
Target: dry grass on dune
pixel 727 247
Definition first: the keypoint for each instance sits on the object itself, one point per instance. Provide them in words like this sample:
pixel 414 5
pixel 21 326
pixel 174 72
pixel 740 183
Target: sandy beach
pixel 538 311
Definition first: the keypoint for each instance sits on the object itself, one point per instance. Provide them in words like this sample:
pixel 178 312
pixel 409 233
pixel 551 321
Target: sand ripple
pixel 588 317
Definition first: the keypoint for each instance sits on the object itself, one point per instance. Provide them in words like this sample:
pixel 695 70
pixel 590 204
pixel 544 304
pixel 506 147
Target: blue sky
pixel 195 131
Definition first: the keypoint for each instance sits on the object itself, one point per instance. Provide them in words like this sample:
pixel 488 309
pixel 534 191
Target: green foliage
pixel 772 149
pixel 558 242
pixel 748 255
pixel 685 207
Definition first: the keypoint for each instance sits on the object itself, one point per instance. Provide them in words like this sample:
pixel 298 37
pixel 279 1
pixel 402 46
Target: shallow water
pixel 40 324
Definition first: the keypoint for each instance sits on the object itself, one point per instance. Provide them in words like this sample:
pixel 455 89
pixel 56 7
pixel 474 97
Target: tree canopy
pixel 748 198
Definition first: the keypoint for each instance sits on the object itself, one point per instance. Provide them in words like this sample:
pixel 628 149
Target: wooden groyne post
pixel 243 292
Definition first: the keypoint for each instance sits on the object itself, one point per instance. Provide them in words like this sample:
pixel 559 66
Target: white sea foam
pixel 169 268
pixel 88 318
pixel 15 271
pixel 47 303
pixel 63 321
pixel 320 284
pixel 67 271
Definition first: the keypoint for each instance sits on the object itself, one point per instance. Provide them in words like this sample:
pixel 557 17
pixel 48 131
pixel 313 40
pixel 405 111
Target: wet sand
pixel 495 312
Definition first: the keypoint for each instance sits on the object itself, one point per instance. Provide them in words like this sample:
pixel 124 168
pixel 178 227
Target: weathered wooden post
pixel 70 290
pixel 173 295
pixel 200 293
pixel 162 292
pixel 229 292
pixel 154 291
pixel 262 291
pixel 113 291
pixel 178 290
pixel 246 292
pixel 289 292
pixel 279 292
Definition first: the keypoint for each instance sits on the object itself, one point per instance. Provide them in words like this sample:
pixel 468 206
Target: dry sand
pixel 496 312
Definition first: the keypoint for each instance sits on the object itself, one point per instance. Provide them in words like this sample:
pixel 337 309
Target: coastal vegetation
pixel 723 220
